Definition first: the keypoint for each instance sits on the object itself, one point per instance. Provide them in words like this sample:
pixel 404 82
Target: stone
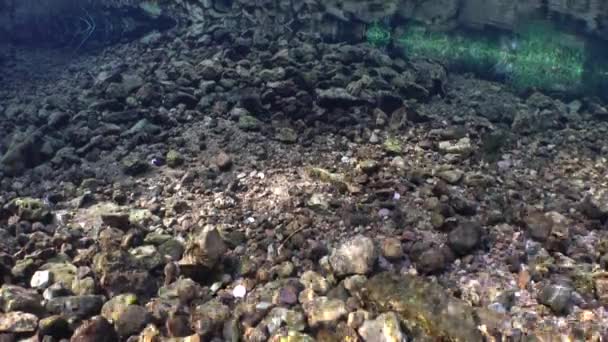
pixel 451 176
pixel 431 261
pixel 316 282
pixel 355 256
pixel 462 146
pixel 205 249
pixel 392 146
pixel 29 209
pixel 56 326
pixel 97 329
pixel 18 322
pixel 385 328
pixel 148 257
pixel 118 220
pixel 322 310
pixel 357 318
pixel 84 286
pixel 61 272
pixel 112 309
pixel 209 317
pixel 601 288
pixel 464 238
pixel 174 158
pixel 41 279
pixel 391 248
pixel 16 298
pixel 81 307
pixel 131 320
pixel 538 225
pixel 223 161
pixel 429 307
pixel 286 135
pixel 557 297
pixel 278 317
pixel 249 123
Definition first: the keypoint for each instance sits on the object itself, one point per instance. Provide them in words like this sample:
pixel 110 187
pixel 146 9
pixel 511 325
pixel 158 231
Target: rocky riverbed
pixel 213 187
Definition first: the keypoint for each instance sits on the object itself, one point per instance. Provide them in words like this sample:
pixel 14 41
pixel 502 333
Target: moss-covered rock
pixel 174 158
pixel 426 307
pixel 30 209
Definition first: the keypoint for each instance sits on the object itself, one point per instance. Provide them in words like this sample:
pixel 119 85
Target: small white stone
pixel 215 286
pixel 239 291
pixel 41 280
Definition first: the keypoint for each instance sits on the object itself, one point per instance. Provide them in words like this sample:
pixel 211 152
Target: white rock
pixel 41 279
pixel 239 291
pixel 355 256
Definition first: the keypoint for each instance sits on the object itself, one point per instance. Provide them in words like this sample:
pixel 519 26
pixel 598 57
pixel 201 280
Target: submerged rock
pixel 385 328
pixel 430 308
pixel 356 256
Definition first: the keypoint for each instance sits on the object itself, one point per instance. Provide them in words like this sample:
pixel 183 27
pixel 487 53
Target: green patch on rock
pixel 174 158
pixel 336 179
pixel 392 146
pixel 427 308
pixel 249 123
pixel 30 209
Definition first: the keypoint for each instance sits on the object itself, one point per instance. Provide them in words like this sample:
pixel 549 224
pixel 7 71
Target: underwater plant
pixel 537 58
pixel 378 35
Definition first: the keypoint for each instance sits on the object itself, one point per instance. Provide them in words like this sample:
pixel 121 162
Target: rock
pixel 15 298
pixel 209 317
pixel 431 261
pixel 174 158
pixel 134 165
pixel 322 310
pixel 463 239
pixel 41 279
pixel 385 328
pixel 391 248
pixel 392 146
pixel 336 97
pixel 462 146
pixel 84 286
pixel 557 297
pixel 316 282
pixel 148 257
pixel 451 176
pixel 538 225
pixel 23 268
pixel 601 287
pixel 29 209
pixel 292 336
pixel 56 326
pixel 355 256
pixel 112 309
pixel 205 249
pixel 61 272
pixel 286 135
pixel 223 161
pixel 249 123
pixel 18 322
pixel 368 166
pixel 278 317
pixel 118 220
pixel 82 307
pixel 98 329
pixel 430 308
pixel 131 320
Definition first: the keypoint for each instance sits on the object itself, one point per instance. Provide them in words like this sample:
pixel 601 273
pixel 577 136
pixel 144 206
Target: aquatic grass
pixel 378 35
pixel 539 61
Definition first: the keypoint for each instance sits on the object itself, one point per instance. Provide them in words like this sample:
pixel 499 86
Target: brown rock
pixel 223 161
pixel 97 329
